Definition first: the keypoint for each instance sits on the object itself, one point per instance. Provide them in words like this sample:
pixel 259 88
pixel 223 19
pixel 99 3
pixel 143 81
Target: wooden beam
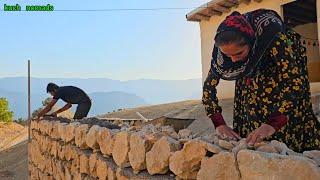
pixel 210 12
pixel 235 2
pixel 226 4
pixel 214 12
pixel 219 8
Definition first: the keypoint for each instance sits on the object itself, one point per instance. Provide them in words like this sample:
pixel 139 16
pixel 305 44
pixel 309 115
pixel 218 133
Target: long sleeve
pixel 290 83
pixel 210 100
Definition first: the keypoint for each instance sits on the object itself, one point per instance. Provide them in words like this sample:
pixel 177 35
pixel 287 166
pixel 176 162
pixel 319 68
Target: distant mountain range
pixel 107 94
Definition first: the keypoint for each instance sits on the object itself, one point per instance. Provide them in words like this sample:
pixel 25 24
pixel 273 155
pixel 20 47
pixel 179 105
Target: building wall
pixel 208 29
pixel 311 31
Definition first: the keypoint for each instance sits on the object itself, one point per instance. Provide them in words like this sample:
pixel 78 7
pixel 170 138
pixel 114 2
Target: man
pixel 70 95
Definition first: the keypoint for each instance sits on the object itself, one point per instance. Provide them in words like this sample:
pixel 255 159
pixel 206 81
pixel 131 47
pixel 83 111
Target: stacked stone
pixel 94 150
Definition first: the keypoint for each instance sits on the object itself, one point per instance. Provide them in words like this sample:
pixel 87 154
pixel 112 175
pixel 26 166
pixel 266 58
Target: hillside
pixel 11 134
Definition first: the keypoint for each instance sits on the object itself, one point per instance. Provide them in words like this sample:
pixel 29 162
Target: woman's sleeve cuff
pixel 217 119
pixel 277 120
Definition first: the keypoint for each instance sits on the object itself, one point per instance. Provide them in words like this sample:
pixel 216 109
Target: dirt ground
pixel 14 162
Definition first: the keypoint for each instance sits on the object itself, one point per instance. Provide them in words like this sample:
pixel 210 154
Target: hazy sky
pixel 120 45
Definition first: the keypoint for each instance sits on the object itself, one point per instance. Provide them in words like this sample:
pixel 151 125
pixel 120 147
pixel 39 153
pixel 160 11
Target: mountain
pixel 107 94
pixel 103 102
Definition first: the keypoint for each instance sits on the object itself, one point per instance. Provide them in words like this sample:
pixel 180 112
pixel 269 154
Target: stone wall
pixel 91 149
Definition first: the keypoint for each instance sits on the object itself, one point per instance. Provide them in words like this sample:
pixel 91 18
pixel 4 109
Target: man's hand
pixel 259 134
pixel 47 108
pixel 225 130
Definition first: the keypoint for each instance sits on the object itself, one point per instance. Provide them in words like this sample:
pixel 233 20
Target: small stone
pixel 314 154
pixel 212 148
pixel 267 148
pixel 184 133
pixel 225 144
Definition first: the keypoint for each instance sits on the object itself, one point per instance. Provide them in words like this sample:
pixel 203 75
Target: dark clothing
pixel 72 95
pixel 276 90
pixel 280 87
pixel 82 110
pixel 259 29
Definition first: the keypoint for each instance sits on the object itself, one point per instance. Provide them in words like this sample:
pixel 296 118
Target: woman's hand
pixel 259 134
pixel 225 130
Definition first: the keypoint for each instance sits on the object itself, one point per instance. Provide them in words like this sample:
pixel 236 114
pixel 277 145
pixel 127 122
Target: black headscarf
pixel 259 28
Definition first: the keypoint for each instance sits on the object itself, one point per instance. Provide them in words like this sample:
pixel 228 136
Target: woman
pixel 272 91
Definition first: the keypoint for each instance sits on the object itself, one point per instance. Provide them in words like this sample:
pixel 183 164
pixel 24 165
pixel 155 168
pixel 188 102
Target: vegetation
pixel 44 104
pixel 5 115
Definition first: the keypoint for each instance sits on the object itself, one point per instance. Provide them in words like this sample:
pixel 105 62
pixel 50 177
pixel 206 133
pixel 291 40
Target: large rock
pixel 91 138
pixel 62 131
pixel 105 139
pixel 158 157
pixel 121 148
pixel 70 131
pixel 93 164
pixel 102 169
pixel 80 136
pixel 70 152
pixel 186 163
pixel 84 163
pixel 139 146
pixel 48 127
pixel 260 165
pixel 219 166
pixel 54 132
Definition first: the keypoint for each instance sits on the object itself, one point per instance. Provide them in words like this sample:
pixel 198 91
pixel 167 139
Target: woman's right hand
pixel 225 130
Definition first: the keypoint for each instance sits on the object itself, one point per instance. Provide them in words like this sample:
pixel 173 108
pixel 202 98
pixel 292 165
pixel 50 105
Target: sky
pixel 120 45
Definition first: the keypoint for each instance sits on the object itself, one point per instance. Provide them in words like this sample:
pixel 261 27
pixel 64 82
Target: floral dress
pixel 280 85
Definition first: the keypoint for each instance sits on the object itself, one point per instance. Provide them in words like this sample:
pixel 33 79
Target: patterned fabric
pixel 280 85
pixel 259 29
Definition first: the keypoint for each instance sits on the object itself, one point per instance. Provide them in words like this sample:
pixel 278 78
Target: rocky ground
pixel 12 134
pixel 14 162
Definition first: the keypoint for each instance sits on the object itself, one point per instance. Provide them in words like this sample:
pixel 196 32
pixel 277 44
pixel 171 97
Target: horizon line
pixel 99 78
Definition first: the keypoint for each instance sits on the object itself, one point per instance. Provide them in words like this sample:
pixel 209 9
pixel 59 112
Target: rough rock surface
pixel 80 136
pixel 186 163
pixel 260 165
pixel 219 166
pixel 91 137
pixel 121 148
pixel 158 157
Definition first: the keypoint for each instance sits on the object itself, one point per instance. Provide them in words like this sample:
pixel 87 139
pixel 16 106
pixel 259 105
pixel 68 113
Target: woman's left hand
pixel 259 134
